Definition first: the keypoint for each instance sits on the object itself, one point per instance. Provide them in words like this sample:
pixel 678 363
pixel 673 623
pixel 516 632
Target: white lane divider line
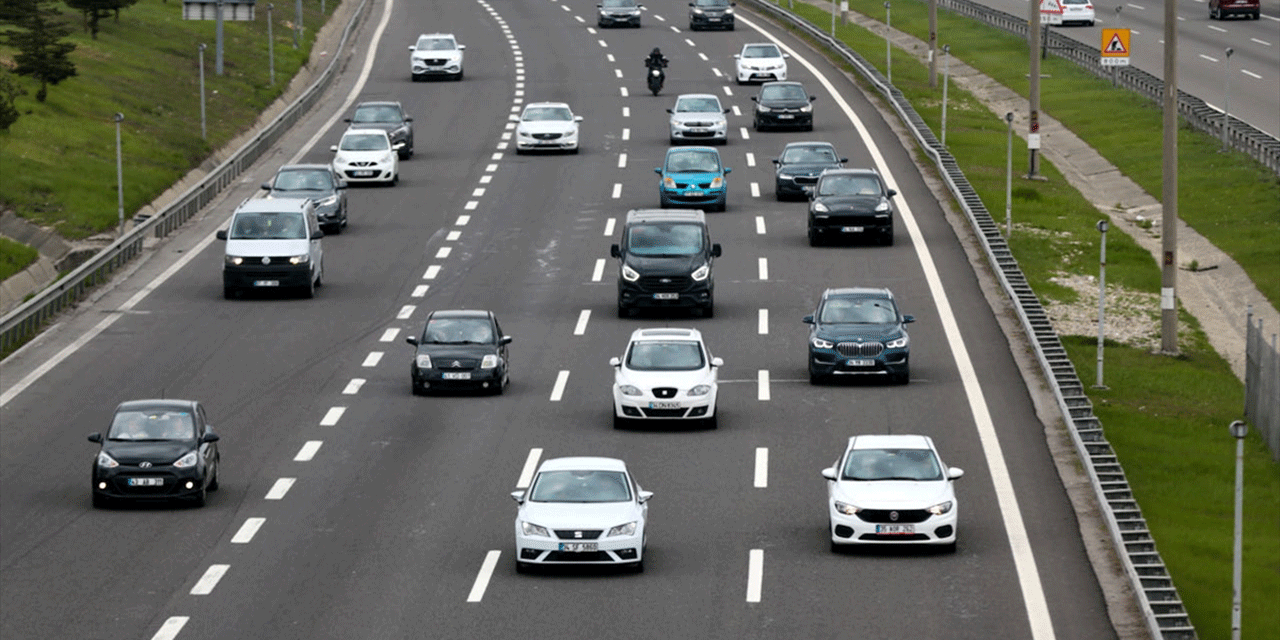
pixel 579 19
pixel 624 91
pixel 405 312
pixel 675 28
pixel 717 72
pixel 617 190
pixel 510 126
pixel 751 159
pixel 471 205
pixel 760 225
pixel 736 110
pixel 1218 29
pixel 455 234
pixel 389 335
pixel 443 252
pixel 626 112
pixel 486 179
pixel 432 272
pixel 728 91
pixel 1251 74
pixel 206 583
pixel 353 387
pixel 659 18
pixel 608 56
pixel 598 272
pixel 603 43
pixel 703 56
pixel 746 135
pixel 498 156
pixel 372 359
pixel 626 133
pixel 762 322
pixel 755 189
pixel 1261 42
pixel 764 268
pixel 689 42
pixel 419 291
pixel 565 7
pixel 482 578
pixel 248 530
pixel 308 451
pixel 1209 58
pixel 762 467
pixel 557 391
pixel 463 220
pixel 622 161
pixel 755 574
pixel 617 73
pixel 490 168
pixel 608 226
pixel 581 327
pixel 530 465
pixel 762 385
pixel 169 630
pixel 280 488
pixel 332 416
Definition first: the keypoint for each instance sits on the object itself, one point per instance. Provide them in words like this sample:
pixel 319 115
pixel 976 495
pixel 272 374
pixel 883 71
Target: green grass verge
pixel 14 257
pixel 1166 417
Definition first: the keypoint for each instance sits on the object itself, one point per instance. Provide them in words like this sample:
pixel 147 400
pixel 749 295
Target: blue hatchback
pixel 693 177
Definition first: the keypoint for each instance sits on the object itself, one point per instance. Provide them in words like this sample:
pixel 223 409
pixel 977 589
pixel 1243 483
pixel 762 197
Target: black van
pixel 664 260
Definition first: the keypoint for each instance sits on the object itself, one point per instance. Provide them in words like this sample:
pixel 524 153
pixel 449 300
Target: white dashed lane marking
pixel 443 252
pixel 431 272
pixel 703 56
pixel 608 226
pixel 762 467
pixel 622 161
pixel 755 189
pixel 530 465
pixel 626 133
pixel 755 574
pixel 454 235
pixel 690 42
pixel 206 583
pixel 617 190
pixel 280 488
pixel 471 205
pixel 405 312
pixel 353 387
pixel 717 72
pixel 762 322
pixel 624 91
pixel 764 268
pixel 746 135
pixel 372 359
pixel 389 335
pixel 762 385
pixel 617 72
pixel 420 291
pixel 737 111
pixel 557 391
pixel 751 159
pixel 482 579
pixel 598 271
pixel 248 530
pixel 728 91
pixel 583 318
pixel 332 416
pixel 760 225
pixel 308 451
pixel 169 630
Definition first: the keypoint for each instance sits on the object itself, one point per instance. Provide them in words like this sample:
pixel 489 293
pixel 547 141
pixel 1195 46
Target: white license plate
pixel 456 375
pixel 266 283
pixel 146 482
pixel 362 174
pixel 860 363
pixel 713 19
pixel 580 547
pixel 664 405
pixel 666 296
pixel 785 116
pixel 851 229
pixel 895 529
pixel 694 194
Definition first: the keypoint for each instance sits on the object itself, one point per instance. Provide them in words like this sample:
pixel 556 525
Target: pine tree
pixel 96 10
pixel 9 91
pixel 41 53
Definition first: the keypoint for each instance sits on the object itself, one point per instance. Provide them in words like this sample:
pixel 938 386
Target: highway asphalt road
pixel 1251 75
pixel 351 509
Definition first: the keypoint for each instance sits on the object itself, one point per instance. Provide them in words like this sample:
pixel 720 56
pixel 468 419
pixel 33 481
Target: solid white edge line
pixel 169 630
pixel 482 578
pixel 280 488
pixel 762 467
pixel 755 574
pixel 583 318
pixel 762 385
pixel 530 465
pixel 206 583
pixel 1024 561
pixel 557 391
pixel 247 530
pixel 762 322
pixel 332 416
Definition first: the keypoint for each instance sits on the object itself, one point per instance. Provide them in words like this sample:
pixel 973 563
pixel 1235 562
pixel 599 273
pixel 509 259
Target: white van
pixel 273 244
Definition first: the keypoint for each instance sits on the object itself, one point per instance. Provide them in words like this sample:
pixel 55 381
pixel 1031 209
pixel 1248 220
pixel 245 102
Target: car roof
pixel 378 103
pixel 861 292
pixel 171 404
pixel 460 313
pixel 436 35
pixel 665 333
pixel 683 148
pixel 273 205
pixel 547 104
pixel 304 167
pixel 851 172
pixel 875 441
pixel 697 95
pixel 583 463
pixel 664 215
pixel 376 132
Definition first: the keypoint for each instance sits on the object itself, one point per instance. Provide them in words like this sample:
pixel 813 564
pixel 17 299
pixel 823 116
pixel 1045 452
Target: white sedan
pixel 582 510
pixel 547 126
pixel 665 375
pixel 891 490
pixel 761 62
pixel 367 155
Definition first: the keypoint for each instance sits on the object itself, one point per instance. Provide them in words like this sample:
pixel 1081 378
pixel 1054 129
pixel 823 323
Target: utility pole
pixel 933 44
pixel 1169 191
pixel 1033 120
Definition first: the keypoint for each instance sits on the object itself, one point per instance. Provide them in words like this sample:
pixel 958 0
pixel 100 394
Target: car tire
pixel 574 150
pixel 213 483
pixel 837 547
pixel 950 547
pixel 808 127
pixel 814 238
pixel 415 388
pixel 458 78
pixel 320 276
pixel 816 379
pixel 713 422
pixel 500 387
pixel 637 567
pixel 198 500
pixel 887 238
pixel 619 422
pixel 309 289
pixel 395 180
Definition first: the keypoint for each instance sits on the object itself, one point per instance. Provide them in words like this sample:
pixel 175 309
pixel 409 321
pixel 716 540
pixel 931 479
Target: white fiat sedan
pixel 891 490
pixel 665 375
pixel 367 155
pixel 548 126
pixel 582 510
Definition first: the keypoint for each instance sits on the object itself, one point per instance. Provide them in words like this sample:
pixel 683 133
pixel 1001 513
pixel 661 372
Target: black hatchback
pixel 460 349
pixel 783 105
pixel 156 450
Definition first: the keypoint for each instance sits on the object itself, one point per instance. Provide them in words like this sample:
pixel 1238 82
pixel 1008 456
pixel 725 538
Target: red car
pixel 1223 9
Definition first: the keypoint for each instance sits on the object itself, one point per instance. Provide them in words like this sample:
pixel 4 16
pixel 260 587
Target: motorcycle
pixel 655 77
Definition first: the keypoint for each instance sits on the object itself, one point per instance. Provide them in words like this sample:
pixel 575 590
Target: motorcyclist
pixel 655 59
pixel 655 63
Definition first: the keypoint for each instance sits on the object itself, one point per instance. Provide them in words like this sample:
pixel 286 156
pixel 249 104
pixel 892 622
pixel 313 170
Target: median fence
pixel 1262 384
pixel 1165 615
pixel 24 322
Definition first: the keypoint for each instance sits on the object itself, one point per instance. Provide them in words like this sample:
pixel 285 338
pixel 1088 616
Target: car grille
pixel 435 62
pixel 546 136
pixel 664 413
pixel 806 179
pixel 659 284
pixel 906 516
pixel 699 124
pixel 693 185
pixel 568 534
pixel 567 556
pixel 664 392
pixel 362 163
pixel 699 134
pixel 860 349
pixel 455 363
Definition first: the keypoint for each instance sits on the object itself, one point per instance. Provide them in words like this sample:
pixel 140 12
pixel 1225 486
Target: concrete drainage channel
pixel 1162 607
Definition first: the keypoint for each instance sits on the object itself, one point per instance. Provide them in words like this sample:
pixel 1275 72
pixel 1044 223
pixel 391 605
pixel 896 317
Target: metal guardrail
pixel 23 323
pixel 1162 608
pixel 1241 136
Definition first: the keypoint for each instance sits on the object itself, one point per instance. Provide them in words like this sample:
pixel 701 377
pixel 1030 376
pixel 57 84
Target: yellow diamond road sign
pixel 1115 47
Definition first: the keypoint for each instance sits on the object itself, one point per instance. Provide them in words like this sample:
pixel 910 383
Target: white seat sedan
pixel 436 54
pixel 698 117
pixel 549 126
pixel 366 155
pixel 760 62
pixel 582 510
pixel 891 490
pixel 665 375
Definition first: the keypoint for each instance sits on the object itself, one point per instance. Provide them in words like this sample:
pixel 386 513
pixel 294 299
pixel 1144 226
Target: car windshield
pixel 378 113
pixel 435 44
pixel 849 186
pixel 711 3
pixel 661 239
pixel 303 180
pixel 364 142
pixel 783 92
pixel 858 311
pixel 618 4
pixel 761 51
pixel 892 464
pixel 152 424
pixel 804 155
pixel 665 356
pixel 693 162
pixel 547 114
pixel 458 331
pixel 580 486
pixel 268 226
pixel 702 104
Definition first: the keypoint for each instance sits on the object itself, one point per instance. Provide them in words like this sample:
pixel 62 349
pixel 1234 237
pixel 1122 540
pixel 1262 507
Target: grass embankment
pixel 1166 417
pixel 14 257
pixel 145 66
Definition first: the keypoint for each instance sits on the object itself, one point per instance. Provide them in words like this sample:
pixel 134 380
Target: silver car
pixel 699 117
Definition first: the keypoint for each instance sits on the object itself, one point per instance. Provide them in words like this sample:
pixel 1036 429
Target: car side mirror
pixel 461 47
pixel 518 496
pixel 755 99
pixel 266 185
pixel 670 111
pixel 786 55
pixel 317 234
pixel 657 170
pixel 347 120
pixel 408 118
pixel 577 118
pixel 504 340
pixel 716 250
pixel 736 56
pixel 413 48
pixel 615 251
pixel 209 437
pixel 908 319
pixel 644 496
pixel 728 110
pixel 333 148
pixel 727 170
pixel 812 98
pixel 717 362
pixel 807 320
pixel 829 473
pixel 843 160
pixel 777 161
pixel 95 437
pixel 413 340
pixel 397 146
pixel 615 361
pixel 893 192
pixel 340 186
pixel 954 472
pixel 221 234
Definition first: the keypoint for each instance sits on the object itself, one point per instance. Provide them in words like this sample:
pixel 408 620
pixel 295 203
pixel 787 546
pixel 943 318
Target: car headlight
pixel 188 460
pixel 883 207
pixel 820 207
pixel 728 11
pixel 490 361
pixel 234 260
pixel 523 134
pixel 697 12
pixel 387 158
pixel 898 343
pixel 628 529
pixel 820 343
pixel 333 199
pixel 422 361
pixel 106 462
pixel 763 109
pixel 302 259
pixel 700 390
pixel 400 131
pixel 629 274
pixel 701 273
pixel 939 509
pixel 531 529
pixel 786 176
pixel 668 182
pixel 844 507
pixel 629 390
pixel 340 159
pixel 717 182
pixel 806 109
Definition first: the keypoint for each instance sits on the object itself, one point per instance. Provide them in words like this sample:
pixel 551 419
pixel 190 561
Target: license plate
pixel 895 529
pixel 664 405
pixel 860 363
pixel 785 116
pixel 580 547
pixel 851 229
pixel 713 19
pixel 146 482
pixel 456 375
pixel 266 283
pixel 694 194
pixel 666 296
pixel 361 174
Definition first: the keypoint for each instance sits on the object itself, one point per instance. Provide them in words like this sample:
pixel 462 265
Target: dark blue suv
pixel 858 331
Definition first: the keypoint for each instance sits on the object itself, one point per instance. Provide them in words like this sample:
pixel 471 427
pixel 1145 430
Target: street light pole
pixel 1226 101
pixel 1008 181
pixel 888 46
pixel 217 65
pixel 946 77
pixel 119 117
pixel 933 43
pixel 1239 429
pixel 297 22
pixel 1102 300
pixel 1033 92
pixel 204 133
pixel 1169 188
pixel 271 45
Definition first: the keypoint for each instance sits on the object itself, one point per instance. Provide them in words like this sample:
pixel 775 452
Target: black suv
pixel 390 117
pixel 711 14
pixel 800 164
pixel 665 260
pixel 783 104
pixel 858 331
pixel 849 203
pixel 460 349
pixel 317 182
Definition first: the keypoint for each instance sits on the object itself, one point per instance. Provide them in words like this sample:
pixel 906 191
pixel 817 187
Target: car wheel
pixel 415 388
pixel 712 422
pixel 887 238
pixel 638 567
pixel 574 151
pixel 500 387
pixel 814 238
pixel 395 180
pixel 458 78
pixel 320 276
pixel 836 547
pixel 815 379
pixel 723 204
pixel 904 377
pixel 619 422
pixel 808 127
pixel 309 290
pixel 730 27
pixel 213 484
pixel 950 547
pixel 198 499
